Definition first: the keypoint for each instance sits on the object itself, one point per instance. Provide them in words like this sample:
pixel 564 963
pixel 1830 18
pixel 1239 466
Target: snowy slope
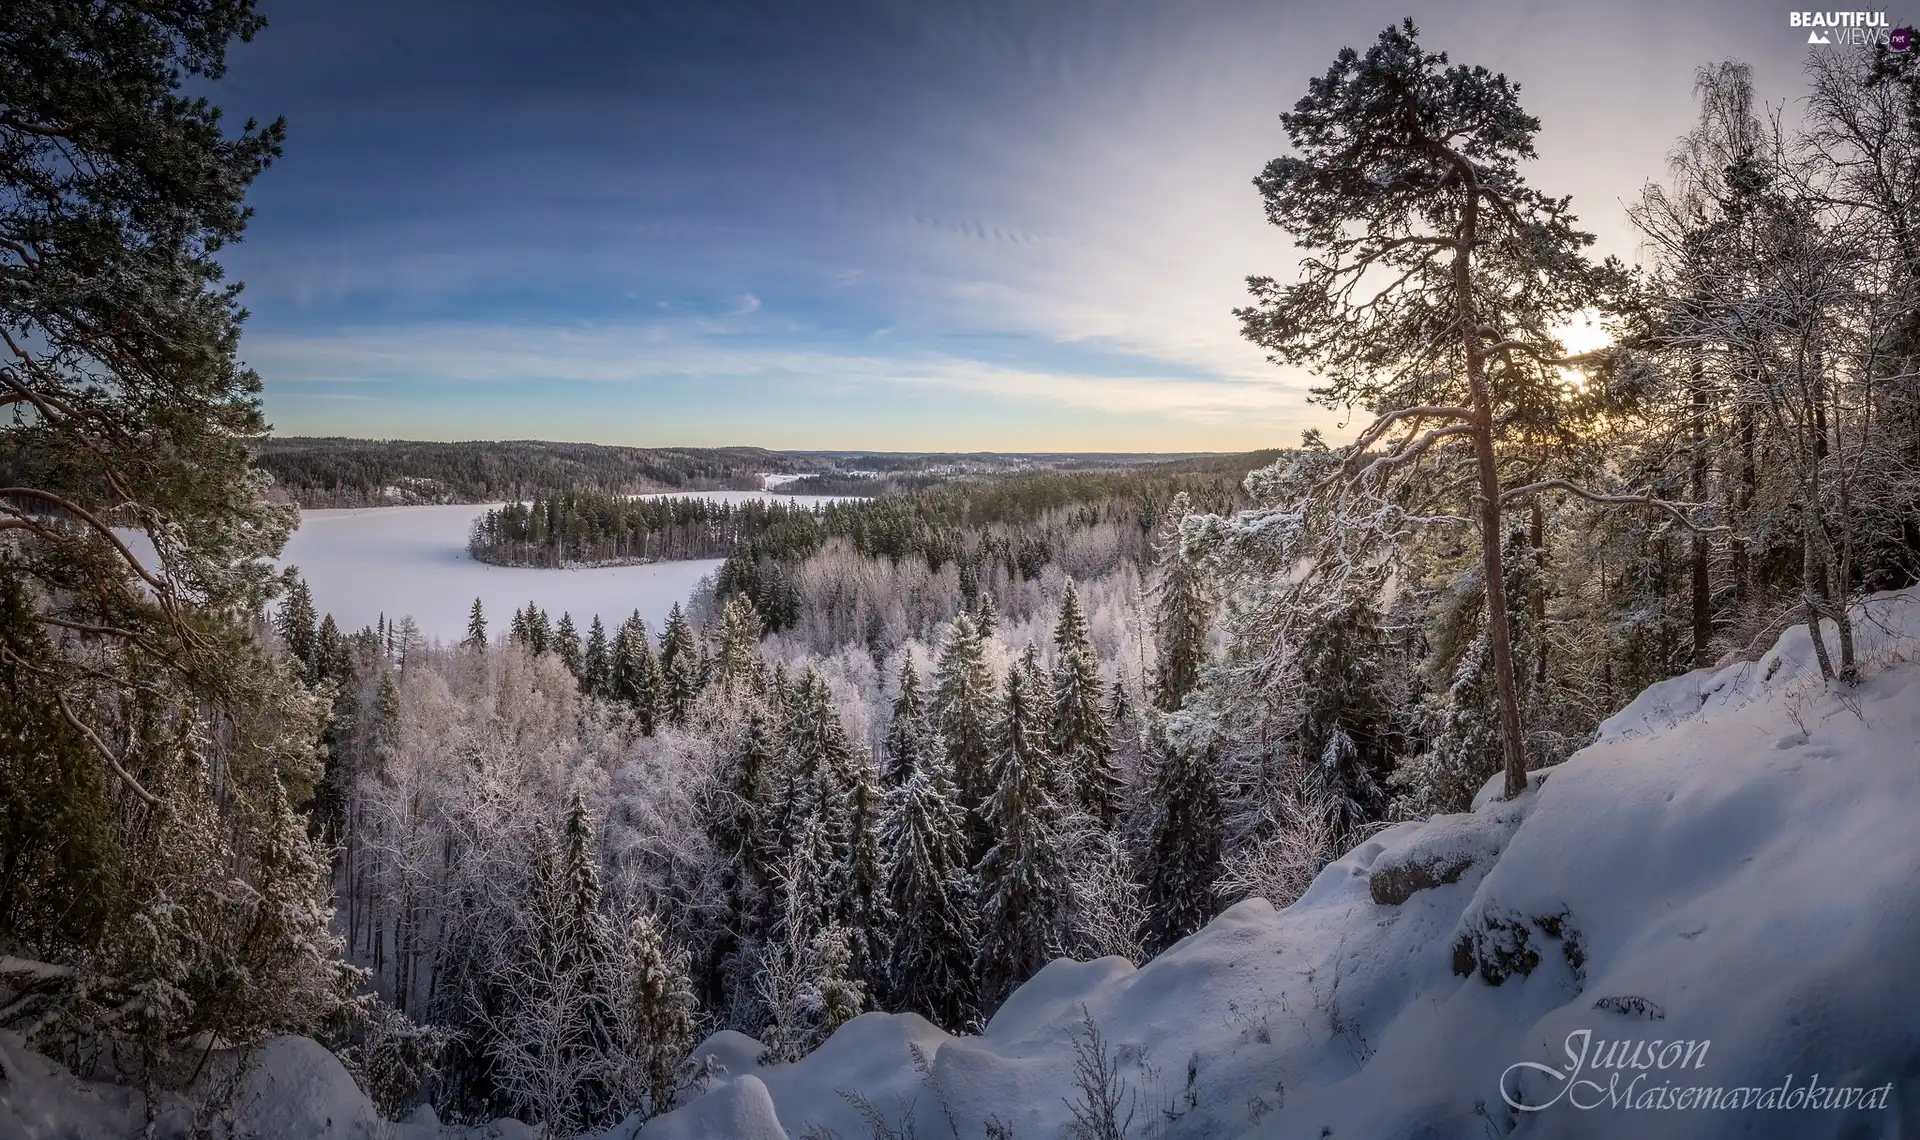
pixel 1733 862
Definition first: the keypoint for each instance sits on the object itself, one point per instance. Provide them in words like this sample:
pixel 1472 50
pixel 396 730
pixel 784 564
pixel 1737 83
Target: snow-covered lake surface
pixel 365 562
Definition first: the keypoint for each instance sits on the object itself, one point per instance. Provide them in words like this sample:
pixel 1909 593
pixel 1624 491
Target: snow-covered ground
pixel 1730 868
pixel 1724 887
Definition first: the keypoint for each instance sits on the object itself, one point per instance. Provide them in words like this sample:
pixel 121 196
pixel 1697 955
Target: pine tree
pixel 540 637
pixel 476 627
pixel 566 643
pixel 1080 740
pixel 661 1009
pixel 520 633
pixel 930 887
pixel 1181 616
pixel 1184 857
pixel 962 711
pixel 596 663
pixel 1023 885
pixel 296 620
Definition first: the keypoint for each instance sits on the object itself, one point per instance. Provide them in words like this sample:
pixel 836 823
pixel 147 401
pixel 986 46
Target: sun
pixel 1582 332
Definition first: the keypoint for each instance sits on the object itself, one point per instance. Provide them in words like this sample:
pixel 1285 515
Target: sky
pixel 1012 225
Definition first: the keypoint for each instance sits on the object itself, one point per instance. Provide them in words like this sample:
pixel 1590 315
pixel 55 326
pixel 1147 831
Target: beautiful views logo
pixel 1651 1075
pixel 1856 29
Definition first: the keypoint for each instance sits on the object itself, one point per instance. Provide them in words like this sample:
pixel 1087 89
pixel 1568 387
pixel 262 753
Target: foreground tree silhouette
pixel 151 751
pixel 1433 278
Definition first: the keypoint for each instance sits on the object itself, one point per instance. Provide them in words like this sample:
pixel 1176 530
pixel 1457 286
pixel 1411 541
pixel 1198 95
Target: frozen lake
pixel 399 561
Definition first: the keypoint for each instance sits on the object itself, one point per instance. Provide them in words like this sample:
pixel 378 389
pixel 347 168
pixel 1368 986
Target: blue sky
pixel 915 225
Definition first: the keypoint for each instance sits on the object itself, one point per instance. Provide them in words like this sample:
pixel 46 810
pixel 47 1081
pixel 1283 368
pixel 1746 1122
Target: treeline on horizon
pixel 377 473
pixel 333 472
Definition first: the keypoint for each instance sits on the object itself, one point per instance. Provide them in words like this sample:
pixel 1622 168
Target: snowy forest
pixel 896 754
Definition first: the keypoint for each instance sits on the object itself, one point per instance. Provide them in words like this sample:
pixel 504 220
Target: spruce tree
pixel 296 620
pixel 740 629
pixel 566 643
pixel 540 637
pixel 861 892
pixel 679 668
pixel 586 951
pixel 633 677
pixel 596 662
pixel 1180 617
pixel 476 627
pixel 1183 860
pixel 1081 742
pixel 1024 895
pixel 908 730
pixel 963 714
pixel 809 824
pixel 930 889
pixel 661 1009
pixel 987 617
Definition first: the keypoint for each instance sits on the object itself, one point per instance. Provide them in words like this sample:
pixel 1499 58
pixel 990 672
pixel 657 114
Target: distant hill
pixel 338 472
pixel 331 472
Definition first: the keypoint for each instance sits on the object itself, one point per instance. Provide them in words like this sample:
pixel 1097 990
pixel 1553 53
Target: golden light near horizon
pixel 1581 333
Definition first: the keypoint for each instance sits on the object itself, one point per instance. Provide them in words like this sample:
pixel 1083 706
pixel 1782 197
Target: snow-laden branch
pixel 1675 509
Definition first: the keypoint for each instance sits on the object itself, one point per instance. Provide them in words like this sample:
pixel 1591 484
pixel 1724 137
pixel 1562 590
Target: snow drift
pixel 1729 868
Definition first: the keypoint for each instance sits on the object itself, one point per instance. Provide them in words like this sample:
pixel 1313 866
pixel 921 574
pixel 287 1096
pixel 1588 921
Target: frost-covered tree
pixel 1406 171
pixel 680 667
pixel 1183 863
pixel 634 675
pixel 596 661
pixel 1080 740
pixel 660 1011
pixel 566 642
pixel 963 710
pixel 907 728
pixel 1025 903
pixel 740 629
pixel 296 620
pixel 476 627
pixel 929 889
pixel 1181 615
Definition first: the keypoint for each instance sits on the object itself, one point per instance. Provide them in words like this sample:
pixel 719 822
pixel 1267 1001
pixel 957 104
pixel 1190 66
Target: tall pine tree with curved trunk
pixel 963 700
pixel 1434 278
pixel 1025 900
pixel 1081 742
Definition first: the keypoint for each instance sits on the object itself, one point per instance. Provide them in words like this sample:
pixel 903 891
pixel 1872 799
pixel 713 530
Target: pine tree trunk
pixel 1499 632
pixel 1702 582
